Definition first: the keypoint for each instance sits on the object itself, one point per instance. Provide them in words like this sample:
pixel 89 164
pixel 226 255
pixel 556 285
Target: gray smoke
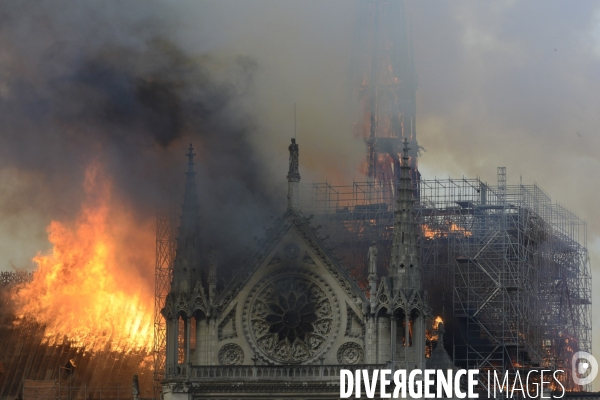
pixel 91 81
pixel 512 84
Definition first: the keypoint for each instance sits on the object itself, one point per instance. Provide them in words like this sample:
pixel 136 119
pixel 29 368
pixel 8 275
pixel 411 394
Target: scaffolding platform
pixel 507 267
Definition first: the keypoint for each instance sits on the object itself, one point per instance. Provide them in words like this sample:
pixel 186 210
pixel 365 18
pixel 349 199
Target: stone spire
pixel 405 267
pixel 187 258
pixel 293 177
pixel 212 274
pixel 372 277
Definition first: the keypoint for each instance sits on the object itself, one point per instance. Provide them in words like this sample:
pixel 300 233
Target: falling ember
pixel 94 286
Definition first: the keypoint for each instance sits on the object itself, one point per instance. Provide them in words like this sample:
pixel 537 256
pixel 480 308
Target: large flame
pixel 95 286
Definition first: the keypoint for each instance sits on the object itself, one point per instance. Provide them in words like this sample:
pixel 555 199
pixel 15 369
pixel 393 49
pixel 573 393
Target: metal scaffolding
pixel 166 234
pixel 511 266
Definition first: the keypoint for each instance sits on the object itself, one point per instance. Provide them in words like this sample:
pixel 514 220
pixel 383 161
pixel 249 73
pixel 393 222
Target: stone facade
pixel 292 318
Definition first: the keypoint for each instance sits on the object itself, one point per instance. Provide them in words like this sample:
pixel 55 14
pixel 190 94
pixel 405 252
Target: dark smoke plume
pixel 103 81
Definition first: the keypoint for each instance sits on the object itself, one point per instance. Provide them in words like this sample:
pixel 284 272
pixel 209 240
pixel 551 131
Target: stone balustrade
pixel 269 372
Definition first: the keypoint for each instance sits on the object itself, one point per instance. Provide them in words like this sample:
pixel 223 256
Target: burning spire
pixel 385 84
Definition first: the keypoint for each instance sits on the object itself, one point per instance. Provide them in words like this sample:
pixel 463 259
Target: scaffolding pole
pixel 166 234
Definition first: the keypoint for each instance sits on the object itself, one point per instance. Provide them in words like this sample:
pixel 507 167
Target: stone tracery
pixel 291 317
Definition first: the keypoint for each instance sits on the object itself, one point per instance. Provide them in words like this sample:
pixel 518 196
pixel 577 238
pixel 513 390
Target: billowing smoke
pixel 512 84
pixel 87 82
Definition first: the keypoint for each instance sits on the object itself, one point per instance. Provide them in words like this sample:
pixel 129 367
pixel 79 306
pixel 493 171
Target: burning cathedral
pixel 505 267
pixel 293 316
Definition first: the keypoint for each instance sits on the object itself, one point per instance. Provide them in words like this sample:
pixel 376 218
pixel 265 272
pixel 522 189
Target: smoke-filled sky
pixel 130 84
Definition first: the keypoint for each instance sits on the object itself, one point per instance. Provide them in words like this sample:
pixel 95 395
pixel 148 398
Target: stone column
pixel 371 342
pixel 419 339
pixel 293 201
pixel 187 332
pixel 172 344
pixel 407 331
pixel 383 339
pixel 212 343
pixel 201 342
pixel 393 338
pixel 169 348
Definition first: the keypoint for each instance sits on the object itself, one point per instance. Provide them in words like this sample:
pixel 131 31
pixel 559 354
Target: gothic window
pixel 291 318
pixel 192 328
pixel 181 340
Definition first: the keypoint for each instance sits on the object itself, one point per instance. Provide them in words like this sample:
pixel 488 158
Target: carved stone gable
pixel 198 301
pixel 227 328
pixel 308 259
pixel 275 260
pixel 383 298
pixel 410 299
pixel 355 327
pixel 309 249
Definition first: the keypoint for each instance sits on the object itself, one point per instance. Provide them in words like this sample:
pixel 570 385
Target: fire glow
pixel 449 228
pixel 95 286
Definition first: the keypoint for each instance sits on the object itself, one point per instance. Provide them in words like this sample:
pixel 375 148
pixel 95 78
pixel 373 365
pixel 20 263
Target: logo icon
pixel 584 368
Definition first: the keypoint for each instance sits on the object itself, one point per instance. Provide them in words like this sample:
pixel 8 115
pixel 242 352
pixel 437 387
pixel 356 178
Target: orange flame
pixel 430 336
pixel 450 227
pixel 430 233
pixel 437 321
pixel 95 285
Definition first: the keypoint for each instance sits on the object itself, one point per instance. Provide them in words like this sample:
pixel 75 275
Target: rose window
pixel 291 318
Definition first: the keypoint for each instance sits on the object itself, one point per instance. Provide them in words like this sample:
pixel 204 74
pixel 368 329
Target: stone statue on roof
pixel 372 259
pixel 293 169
